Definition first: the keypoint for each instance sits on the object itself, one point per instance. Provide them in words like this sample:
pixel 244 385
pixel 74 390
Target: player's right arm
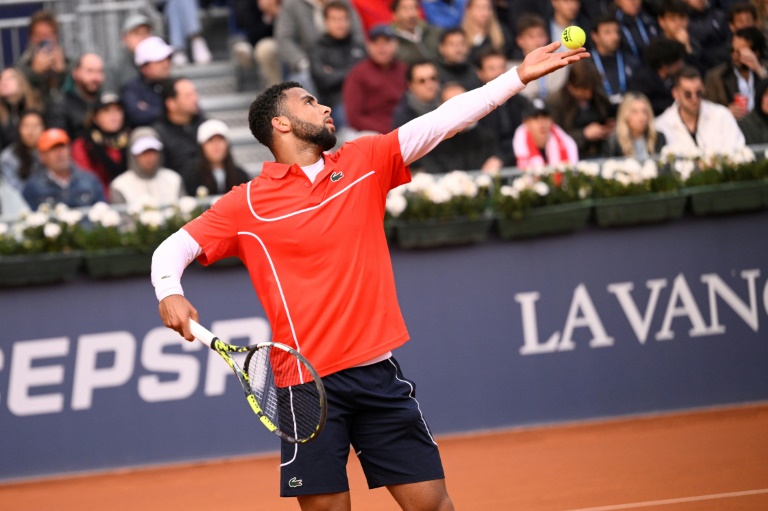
pixel 168 263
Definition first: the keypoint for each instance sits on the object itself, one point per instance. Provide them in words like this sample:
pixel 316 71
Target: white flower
pixel 71 217
pixel 60 209
pixel 685 168
pixel 201 192
pixel 143 203
pixel 623 178
pixel 151 218
pixel 523 182
pixel 438 193
pixel 589 168
pixel 110 218
pixel 649 170
pixel 169 213
pixel 97 211
pixel 187 205
pixel 510 191
pixel 52 231
pixel 541 188
pixel 420 182
pixel 37 219
pixel 396 204
pixel 484 181
pixel 3 229
pixel 583 192
pixel 743 155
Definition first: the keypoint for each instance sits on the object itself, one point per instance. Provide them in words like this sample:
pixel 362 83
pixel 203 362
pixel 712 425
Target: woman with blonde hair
pixel 482 29
pixel 16 96
pixel 635 135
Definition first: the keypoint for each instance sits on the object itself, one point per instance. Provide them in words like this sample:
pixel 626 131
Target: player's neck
pixel 302 155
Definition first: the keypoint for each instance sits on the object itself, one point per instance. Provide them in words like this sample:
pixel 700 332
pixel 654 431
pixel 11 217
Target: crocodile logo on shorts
pixel 294 483
pixel 336 176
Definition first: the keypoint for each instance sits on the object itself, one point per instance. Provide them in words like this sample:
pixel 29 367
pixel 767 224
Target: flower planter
pixel 24 269
pixel 729 197
pixel 639 209
pixel 440 233
pixel 546 220
pixel 117 262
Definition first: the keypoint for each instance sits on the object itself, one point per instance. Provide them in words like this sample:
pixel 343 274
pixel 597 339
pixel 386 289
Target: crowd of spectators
pixel 686 74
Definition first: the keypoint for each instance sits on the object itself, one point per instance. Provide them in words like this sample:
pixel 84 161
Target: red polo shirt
pixel 316 253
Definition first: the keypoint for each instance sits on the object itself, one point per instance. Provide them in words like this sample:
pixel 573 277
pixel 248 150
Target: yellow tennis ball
pixel 573 37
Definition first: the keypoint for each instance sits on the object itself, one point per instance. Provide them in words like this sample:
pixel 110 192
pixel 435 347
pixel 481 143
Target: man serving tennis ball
pixel 310 232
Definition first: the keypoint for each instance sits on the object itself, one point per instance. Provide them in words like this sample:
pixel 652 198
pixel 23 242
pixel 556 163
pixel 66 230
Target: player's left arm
pixel 422 134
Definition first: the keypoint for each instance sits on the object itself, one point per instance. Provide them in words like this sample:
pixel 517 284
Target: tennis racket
pixel 281 386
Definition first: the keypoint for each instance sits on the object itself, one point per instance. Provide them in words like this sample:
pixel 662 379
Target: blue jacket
pixel 142 102
pixel 84 190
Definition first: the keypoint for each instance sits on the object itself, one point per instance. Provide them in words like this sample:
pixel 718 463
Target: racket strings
pixel 286 391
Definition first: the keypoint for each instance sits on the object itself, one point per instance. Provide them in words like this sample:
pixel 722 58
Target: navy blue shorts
pixel 374 409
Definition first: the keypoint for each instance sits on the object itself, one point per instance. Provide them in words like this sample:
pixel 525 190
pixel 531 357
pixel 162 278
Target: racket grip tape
pixel 201 333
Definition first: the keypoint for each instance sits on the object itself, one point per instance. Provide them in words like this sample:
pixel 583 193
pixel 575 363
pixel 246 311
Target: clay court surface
pixel 699 461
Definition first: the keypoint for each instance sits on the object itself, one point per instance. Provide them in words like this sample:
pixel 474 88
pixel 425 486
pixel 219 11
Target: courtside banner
pixel 601 323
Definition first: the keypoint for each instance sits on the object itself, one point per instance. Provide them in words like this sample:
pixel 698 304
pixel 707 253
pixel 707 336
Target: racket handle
pixel 203 334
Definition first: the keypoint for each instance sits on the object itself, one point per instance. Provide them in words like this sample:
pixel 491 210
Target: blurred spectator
pixel 635 135
pixel 732 84
pixel 374 86
pixel 616 67
pixel 531 34
pixel 136 28
pixel 693 123
pixel 12 204
pixel 214 168
pixel 19 161
pixel 665 60
pixel 539 142
pixel 505 119
pixel 472 148
pixel 416 39
pixel 297 29
pixel 583 110
pixel 709 28
pixel 146 181
pixel 422 95
pixel 453 63
pixel 101 150
pixel 564 14
pixel 332 57
pixel 673 23
pixel 16 95
pixel 373 12
pixel 178 125
pixel 70 110
pixel 60 180
pixel 755 125
pixel 183 27
pixel 762 15
pixel 519 9
pixel 637 26
pixel 142 96
pixel 257 19
pixel 741 15
pixel 44 63
pixel 483 30
pixel 444 13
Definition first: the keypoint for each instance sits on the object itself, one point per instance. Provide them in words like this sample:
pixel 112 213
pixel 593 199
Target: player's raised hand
pixel 543 61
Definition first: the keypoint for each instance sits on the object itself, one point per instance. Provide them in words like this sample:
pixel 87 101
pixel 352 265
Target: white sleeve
pixel 421 135
pixel 170 260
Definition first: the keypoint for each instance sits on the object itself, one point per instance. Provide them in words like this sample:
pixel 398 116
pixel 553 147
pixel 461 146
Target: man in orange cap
pixel 60 179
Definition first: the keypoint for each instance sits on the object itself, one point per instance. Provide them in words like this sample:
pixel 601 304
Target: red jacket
pixel 371 93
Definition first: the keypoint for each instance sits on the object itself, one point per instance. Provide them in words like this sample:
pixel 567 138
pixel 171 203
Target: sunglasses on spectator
pixel 426 79
pixel 689 94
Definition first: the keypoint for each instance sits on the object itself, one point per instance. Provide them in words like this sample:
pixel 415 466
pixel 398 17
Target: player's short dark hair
pixel 663 52
pixel 604 19
pixel 741 7
pixel 413 65
pixel 687 73
pixel 266 106
pixel 335 4
pixel 754 36
pixel 673 7
pixel 449 32
pixel 529 21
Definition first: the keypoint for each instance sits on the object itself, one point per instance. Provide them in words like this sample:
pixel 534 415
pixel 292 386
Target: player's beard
pixel 313 134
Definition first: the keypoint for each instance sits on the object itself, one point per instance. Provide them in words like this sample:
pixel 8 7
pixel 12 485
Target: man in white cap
pixel 146 181
pixel 142 96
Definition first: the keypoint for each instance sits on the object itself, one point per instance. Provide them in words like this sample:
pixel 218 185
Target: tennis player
pixel 309 229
